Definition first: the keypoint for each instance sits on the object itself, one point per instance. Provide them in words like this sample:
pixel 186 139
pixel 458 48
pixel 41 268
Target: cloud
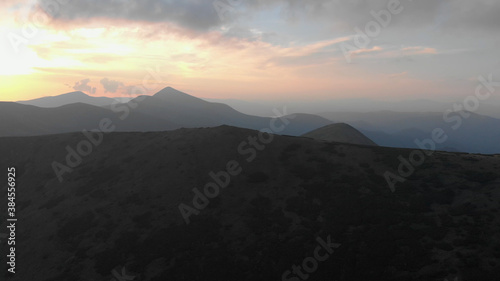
pixel 84 87
pixel 367 50
pixel 315 54
pixel 426 22
pixel 199 15
pixel 111 85
pixel 347 14
pixel 419 51
pixel 392 53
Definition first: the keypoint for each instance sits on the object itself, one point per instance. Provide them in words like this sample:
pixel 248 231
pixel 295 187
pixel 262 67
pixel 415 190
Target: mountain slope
pixel 340 132
pixel 191 112
pixel 473 133
pixel 69 98
pixel 27 120
pixel 120 209
pixel 166 110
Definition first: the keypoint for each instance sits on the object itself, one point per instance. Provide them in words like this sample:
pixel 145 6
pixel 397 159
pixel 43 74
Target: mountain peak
pixel 169 91
pixel 175 95
pixel 75 94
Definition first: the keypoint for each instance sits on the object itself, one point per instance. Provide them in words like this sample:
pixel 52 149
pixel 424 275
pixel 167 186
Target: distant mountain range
pixel 314 106
pixel 191 112
pixel 475 134
pixel 27 120
pixel 166 110
pixel 170 109
pixel 69 98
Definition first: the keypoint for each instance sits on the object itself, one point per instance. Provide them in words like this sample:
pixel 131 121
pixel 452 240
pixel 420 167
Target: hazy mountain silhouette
pixel 476 134
pixel 27 120
pixel 120 208
pixel 356 105
pixel 168 109
pixel 192 112
pixel 340 132
pixel 69 98
pixel 171 109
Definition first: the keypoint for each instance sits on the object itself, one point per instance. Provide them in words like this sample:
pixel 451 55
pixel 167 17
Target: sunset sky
pixel 248 49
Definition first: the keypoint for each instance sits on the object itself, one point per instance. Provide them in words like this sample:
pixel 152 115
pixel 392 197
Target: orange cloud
pixel 419 51
pixel 367 50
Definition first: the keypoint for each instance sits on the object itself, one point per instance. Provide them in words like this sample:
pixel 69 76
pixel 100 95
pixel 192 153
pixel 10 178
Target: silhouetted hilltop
pixel 27 120
pixel 340 132
pixel 466 131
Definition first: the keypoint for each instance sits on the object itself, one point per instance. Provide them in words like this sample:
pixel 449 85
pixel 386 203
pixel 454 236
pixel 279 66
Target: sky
pixel 249 49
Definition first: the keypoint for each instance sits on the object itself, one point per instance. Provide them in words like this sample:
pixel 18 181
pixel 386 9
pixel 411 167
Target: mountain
pixel 166 110
pixel 296 203
pixel 264 108
pixel 356 105
pixel 69 98
pixel 192 112
pixel 465 131
pixel 340 132
pixel 27 120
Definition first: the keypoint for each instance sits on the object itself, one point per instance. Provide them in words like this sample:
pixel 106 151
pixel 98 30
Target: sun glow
pixel 17 65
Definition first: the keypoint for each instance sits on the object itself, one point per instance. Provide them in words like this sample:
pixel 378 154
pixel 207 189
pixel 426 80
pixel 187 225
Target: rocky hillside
pixel 274 208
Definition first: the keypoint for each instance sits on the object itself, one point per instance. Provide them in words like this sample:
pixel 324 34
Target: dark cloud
pixel 111 85
pixel 202 15
pixel 84 86
pixel 199 15
pixel 480 14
